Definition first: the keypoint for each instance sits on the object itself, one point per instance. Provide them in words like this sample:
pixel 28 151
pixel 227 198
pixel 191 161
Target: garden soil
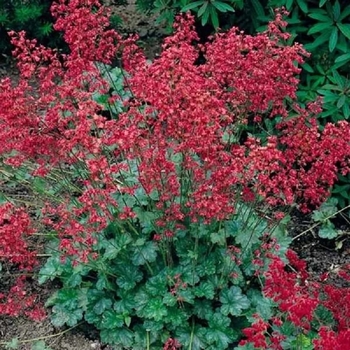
pixel 321 255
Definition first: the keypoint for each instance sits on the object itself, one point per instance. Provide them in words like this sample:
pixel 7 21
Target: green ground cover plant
pixel 165 220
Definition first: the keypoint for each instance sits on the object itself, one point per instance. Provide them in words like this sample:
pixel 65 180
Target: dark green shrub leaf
pixel 319 40
pixel 333 39
pixel 336 10
pixel 192 5
pixel 214 17
pixel 345 13
pixel 345 29
pixel 222 6
pixel 258 8
pixel 205 18
pixel 341 101
pixel 343 58
pixel 321 16
pixel 202 9
pixel 303 5
pixel 308 68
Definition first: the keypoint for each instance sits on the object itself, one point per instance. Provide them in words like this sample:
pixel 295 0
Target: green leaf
pixel 308 68
pixel 346 110
pixel 205 18
pixel 336 10
pixel 45 29
pixel 214 17
pixel 111 319
pixel 4 18
pixel 222 6
pixel 319 40
pixel 258 8
pixel 119 336
pixel 302 342
pixel 248 346
pixel 321 17
pixel 12 344
pixel 154 309
pixel 339 79
pixel 102 305
pixel 289 4
pixel 202 9
pixel 326 210
pixel 219 333
pixel 323 316
pixel 128 275
pixel 205 289
pixel 233 301
pixel 157 285
pixel 145 253
pixel 203 309
pixel 62 315
pixel 322 2
pixel 126 303
pixel 144 216
pixel 218 237
pixel 341 101
pixel 328 231
pixel 52 268
pixel 319 27
pixel 303 5
pixel 333 39
pixel 192 5
pixel 176 316
pixel 247 238
pixel 207 267
pixel 345 29
pixel 342 58
pixel 261 305
pixel 194 339
pixel 39 345
pixel 345 13
pixel 169 299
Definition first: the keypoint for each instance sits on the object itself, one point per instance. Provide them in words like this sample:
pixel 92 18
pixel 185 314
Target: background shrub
pixel 32 16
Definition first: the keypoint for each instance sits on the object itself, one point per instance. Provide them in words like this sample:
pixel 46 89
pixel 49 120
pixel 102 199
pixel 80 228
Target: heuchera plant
pixel 164 214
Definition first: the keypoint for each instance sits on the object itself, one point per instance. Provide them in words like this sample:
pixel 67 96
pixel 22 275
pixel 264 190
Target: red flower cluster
pixel 298 297
pixel 171 344
pixel 15 228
